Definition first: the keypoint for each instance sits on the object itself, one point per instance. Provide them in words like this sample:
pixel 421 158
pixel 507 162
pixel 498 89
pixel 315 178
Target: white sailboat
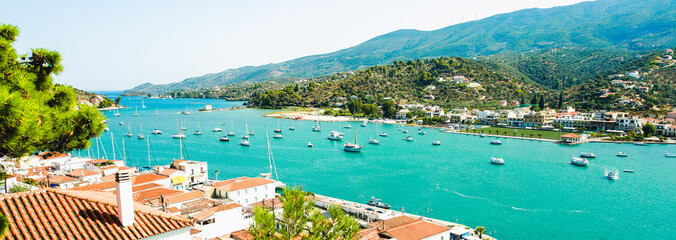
pixel 140 135
pixel 273 166
pixel 179 134
pixel 157 129
pixel 353 147
pixel 246 131
pixel 292 127
pixel 317 128
pixel 136 113
pixel 198 131
pixel 142 105
pixel 117 113
pixel 231 133
pixel 128 131
pixel 278 130
pixel 497 161
pixel 183 127
pixel 375 141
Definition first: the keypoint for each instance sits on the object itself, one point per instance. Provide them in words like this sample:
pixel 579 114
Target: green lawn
pixel 525 132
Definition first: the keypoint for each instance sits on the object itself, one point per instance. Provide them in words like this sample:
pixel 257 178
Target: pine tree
pixel 542 101
pixel 35 114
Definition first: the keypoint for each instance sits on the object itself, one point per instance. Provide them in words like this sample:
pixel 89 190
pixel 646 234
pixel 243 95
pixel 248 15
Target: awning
pixel 177 180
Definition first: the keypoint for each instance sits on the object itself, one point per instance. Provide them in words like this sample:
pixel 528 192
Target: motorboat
pixel 156 131
pixel 497 161
pixel 377 203
pixel 628 170
pixel 245 136
pixel 404 131
pixel 496 142
pixel 277 135
pixel 231 133
pixel 622 154
pixel 348 126
pixel 640 144
pixel 436 143
pixel 670 155
pixel 579 161
pixel 128 134
pixel 244 142
pixel 482 135
pixel 421 132
pixel 216 130
pixel 317 128
pixel 140 136
pixel 335 136
pixel 587 155
pixel 121 123
pixel 106 129
pixel 185 113
pixel 383 134
pixel 409 138
pixel 292 128
pixel 198 132
pixel 612 175
pixel 178 135
pixel 374 141
pixel 363 124
pixel 309 144
pixel 224 139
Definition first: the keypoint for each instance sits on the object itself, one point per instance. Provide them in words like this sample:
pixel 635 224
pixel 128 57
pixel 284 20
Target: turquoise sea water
pixel 536 194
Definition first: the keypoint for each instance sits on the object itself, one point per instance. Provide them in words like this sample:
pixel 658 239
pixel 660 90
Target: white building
pixel 245 190
pixel 196 172
pixel 221 220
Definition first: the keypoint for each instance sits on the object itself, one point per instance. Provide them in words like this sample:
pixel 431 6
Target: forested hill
pixel 443 81
pixel 603 24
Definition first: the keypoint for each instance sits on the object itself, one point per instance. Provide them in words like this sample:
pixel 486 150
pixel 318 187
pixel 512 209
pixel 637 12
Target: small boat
pixel 363 124
pixel 121 123
pixel 136 113
pixel 670 155
pixel 309 144
pixel 128 134
pixel 179 135
pixel 404 131
pixel 106 129
pixel 317 128
pixel 622 154
pixel 245 136
pixel 579 161
pixel 117 113
pixel 216 130
pixel 377 203
pixel 640 144
pixel 421 132
pixel 436 143
pixel 587 155
pixel 251 133
pixel 612 175
pixel 482 135
pixel 497 161
pixel 244 142
pixel 277 135
pixel 383 134
pixel 374 141
pixel 496 142
pixel 628 170
pixel 409 138
pixel 140 136
pixel 348 126
pixel 231 133
pixel 156 131
pixel 353 147
pixel 198 132
pixel 224 139
pixel 292 128
pixel 335 136
pixel 278 130
pixel 185 113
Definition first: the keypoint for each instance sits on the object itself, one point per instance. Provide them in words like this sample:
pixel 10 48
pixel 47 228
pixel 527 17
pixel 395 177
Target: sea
pixel 536 194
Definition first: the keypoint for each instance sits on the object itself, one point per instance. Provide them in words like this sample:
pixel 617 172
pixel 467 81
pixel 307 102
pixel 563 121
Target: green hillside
pixel 603 24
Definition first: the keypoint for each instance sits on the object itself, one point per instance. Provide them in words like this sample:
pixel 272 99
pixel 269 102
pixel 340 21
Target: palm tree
pixel 531 135
pixel 539 135
pixel 489 132
pixel 514 134
pixel 521 134
pixel 505 133
pixel 480 230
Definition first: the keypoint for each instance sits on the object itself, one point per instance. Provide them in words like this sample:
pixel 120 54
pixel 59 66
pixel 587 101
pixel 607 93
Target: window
pixel 246 201
pixel 255 189
pixel 237 193
pixel 246 191
pixel 255 199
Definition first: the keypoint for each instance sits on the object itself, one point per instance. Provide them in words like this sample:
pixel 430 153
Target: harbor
pixel 455 179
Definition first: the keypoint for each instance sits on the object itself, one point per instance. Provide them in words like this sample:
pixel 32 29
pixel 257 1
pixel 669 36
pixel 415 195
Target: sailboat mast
pixel 112 143
pixel 267 137
pixel 180 146
pixel 148 141
pixel 124 153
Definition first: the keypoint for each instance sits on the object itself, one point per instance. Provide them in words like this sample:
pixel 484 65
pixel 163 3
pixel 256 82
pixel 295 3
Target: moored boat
pixel 640 144
pixel 421 132
pixel 277 135
pixel 335 136
pixel 436 143
pixel 374 141
pixel 587 155
pixel 224 139
pixel 353 147
pixel 409 138
pixel 377 203
pixel 579 161
pixel 611 175
pixel 317 128
pixel 383 134
pixel 670 155
pixel 496 142
pixel 622 154
pixel 497 161
pixel 216 130
pixel 244 142
pixel 628 170
pixel 178 135
pixel 309 144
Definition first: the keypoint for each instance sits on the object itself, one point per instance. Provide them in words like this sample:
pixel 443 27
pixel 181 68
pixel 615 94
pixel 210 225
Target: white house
pixel 245 190
pixel 221 220
pixel 195 171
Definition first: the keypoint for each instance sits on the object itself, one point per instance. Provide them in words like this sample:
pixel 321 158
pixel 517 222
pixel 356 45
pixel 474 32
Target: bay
pixel 536 194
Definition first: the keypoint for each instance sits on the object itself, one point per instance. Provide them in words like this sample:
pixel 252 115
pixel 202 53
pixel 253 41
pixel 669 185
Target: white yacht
pixel 348 126
pixel 277 135
pixel 178 135
pixel 421 132
pixel 622 154
pixel 374 141
pixel 353 147
pixel 335 136
pixel 496 142
pixel 278 130
pixel 383 134
pixel 436 143
pixel 157 128
pixel 156 131
pixel 140 135
pixel 224 139
pixel 106 129
pixel 244 142
pixel 121 123
pixel 363 124
pixel 408 138
pixel 317 128
pixel 309 144
pixel 497 161
pixel 587 155
pixel 579 161
pixel 670 155
pixel 640 144
pixel 216 130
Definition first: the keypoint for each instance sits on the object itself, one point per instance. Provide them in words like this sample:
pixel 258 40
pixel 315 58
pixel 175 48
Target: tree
pixel 388 109
pixel 19 188
pixel 648 129
pixel 481 231
pixel 560 100
pixel 300 218
pixel 117 101
pixel 354 106
pixel 369 109
pixel 36 115
pixel 534 100
pixel 4 225
pixel 542 101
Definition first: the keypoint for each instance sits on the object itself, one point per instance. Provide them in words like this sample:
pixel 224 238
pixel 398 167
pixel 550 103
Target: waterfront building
pixel 632 123
pixel 195 171
pixel 570 138
pixel 220 220
pixel 405 227
pixel 243 190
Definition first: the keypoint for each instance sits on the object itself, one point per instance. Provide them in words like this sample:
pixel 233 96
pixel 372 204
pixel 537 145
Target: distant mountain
pixel 603 24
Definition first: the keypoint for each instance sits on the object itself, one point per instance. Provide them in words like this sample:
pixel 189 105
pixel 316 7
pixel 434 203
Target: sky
pixel 117 45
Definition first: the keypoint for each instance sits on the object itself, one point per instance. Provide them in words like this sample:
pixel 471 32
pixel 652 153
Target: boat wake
pixel 506 206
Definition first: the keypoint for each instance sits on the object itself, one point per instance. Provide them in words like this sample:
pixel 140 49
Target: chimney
pixel 125 203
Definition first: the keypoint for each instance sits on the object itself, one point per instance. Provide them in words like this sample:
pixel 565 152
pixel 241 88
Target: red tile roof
pixel 58 179
pixel 241 183
pixel 570 135
pixel 241 235
pixel 145 178
pixel 97 186
pixel 209 212
pixel 68 214
pixel 168 171
pixel 153 194
pixel 82 173
pixel 408 228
